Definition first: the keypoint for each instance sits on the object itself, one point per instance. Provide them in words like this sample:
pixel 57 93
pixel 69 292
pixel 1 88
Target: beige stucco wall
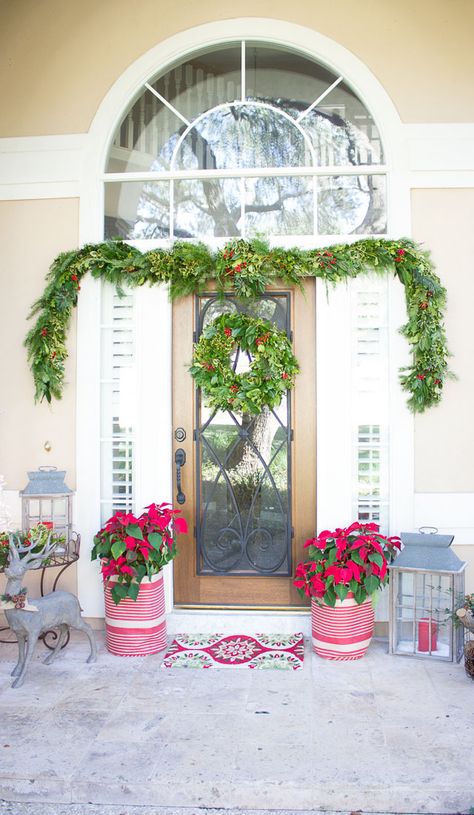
pixel 444 436
pixel 59 58
pixel 32 233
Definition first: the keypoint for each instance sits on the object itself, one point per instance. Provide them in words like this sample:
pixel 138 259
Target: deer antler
pixel 30 557
pixel 14 548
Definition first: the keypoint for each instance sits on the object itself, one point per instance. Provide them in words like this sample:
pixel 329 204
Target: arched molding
pixel 277 32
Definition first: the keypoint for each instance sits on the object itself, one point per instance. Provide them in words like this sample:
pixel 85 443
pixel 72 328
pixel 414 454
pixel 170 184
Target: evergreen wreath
pixel 246 268
pixel 272 368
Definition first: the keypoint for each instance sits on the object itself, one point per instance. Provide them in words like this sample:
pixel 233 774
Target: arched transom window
pixel 242 140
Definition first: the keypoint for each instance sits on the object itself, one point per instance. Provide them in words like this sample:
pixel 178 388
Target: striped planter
pixel 343 632
pixel 135 629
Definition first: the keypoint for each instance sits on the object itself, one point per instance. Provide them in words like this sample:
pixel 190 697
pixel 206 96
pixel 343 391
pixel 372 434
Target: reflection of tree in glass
pixel 351 204
pixel 251 136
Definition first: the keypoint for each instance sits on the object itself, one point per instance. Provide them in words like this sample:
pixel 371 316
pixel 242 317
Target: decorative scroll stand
pixel 62 560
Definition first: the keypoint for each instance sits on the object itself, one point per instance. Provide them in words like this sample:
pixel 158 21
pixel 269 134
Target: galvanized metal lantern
pixel 47 499
pixel 426 584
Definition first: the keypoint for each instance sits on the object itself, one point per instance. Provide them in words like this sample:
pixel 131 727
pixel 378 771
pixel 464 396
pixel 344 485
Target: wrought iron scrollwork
pixel 244 472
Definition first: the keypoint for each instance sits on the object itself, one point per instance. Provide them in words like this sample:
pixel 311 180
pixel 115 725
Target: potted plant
pixel 343 573
pixel 133 551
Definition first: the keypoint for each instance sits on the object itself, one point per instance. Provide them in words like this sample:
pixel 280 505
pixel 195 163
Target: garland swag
pixel 246 268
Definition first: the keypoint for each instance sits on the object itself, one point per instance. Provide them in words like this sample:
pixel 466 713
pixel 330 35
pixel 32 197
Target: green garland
pixel 246 268
pixel 272 370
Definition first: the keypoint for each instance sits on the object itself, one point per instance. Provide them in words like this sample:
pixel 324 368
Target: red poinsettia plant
pixel 352 560
pixel 132 548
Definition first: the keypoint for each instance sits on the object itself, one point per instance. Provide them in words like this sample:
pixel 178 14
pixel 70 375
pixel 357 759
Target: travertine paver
pixel 7 808
pixel 383 734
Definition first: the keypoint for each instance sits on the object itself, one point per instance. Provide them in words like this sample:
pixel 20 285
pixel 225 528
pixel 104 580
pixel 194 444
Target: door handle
pixel 180 461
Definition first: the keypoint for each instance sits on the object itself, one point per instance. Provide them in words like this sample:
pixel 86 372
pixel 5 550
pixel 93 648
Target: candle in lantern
pixel 425 625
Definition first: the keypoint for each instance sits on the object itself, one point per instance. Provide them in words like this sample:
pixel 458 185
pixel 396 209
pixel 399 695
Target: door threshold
pixel 238 620
pixel 266 609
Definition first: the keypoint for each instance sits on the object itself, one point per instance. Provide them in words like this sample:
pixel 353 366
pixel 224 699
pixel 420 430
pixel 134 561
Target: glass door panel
pixel 243 469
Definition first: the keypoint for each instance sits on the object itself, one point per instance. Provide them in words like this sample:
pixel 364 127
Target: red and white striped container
pixel 343 632
pixel 137 628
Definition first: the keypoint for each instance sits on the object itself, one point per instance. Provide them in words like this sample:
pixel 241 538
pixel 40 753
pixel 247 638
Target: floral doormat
pixel 281 651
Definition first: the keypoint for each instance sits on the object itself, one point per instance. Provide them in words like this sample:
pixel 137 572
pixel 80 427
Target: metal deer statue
pixel 58 609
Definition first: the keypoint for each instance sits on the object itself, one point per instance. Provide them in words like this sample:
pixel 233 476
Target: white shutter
pixel 370 400
pixel 118 389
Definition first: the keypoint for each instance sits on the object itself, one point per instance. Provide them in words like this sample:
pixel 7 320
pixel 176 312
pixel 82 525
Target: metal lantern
pixel 426 585
pixel 47 499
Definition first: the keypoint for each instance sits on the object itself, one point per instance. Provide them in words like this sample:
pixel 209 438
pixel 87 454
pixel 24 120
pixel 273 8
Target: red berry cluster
pixel 228 332
pixel 421 377
pixel 261 340
pixel 209 367
pixel 75 280
pixel 326 260
pixel 425 303
pixel 400 255
pixel 231 270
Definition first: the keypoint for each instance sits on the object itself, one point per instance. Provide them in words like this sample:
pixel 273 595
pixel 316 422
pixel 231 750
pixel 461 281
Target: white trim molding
pixel 41 166
pixel 452 513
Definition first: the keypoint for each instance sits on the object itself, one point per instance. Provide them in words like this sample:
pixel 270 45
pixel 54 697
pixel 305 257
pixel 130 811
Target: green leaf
pixel 134 531
pixel 377 558
pixel 155 539
pixel 141 572
pixel 341 591
pixel 332 556
pixel 118 548
pixel 330 596
pixel 371 584
pixel 133 590
pixel 360 594
pixel 118 592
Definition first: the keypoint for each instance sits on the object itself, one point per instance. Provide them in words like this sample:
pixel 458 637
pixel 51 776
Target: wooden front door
pixel 248 484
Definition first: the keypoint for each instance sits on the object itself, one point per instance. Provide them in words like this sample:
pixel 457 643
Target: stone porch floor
pixel 383 734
